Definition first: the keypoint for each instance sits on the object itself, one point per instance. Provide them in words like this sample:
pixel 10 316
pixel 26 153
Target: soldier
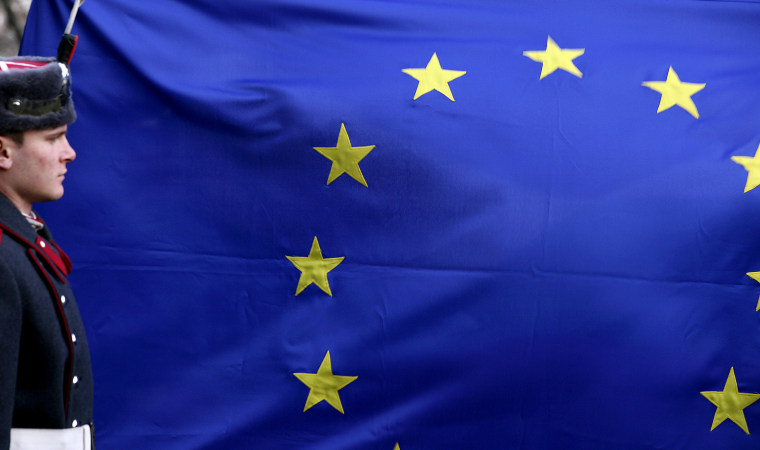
pixel 46 387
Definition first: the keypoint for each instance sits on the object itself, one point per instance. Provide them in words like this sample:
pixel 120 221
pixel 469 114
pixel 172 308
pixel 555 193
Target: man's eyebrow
pixel 57 134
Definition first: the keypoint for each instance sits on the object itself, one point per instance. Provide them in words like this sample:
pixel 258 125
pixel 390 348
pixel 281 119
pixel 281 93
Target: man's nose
pixel 69 154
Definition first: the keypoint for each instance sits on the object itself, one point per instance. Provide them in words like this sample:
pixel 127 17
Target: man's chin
pixel 50 197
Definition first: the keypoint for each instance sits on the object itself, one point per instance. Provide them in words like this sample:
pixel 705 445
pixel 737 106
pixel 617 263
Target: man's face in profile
pixel 37 166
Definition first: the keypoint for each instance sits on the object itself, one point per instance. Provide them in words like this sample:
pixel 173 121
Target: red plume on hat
pixel 35 92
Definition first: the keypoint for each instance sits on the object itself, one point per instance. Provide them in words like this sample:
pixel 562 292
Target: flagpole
pixel 73 16
pixel 69 41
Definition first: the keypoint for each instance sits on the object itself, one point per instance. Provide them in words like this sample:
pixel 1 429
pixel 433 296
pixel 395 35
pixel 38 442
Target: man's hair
pixel 16 136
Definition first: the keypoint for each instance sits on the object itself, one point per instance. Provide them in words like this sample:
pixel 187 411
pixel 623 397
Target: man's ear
pixel 6 153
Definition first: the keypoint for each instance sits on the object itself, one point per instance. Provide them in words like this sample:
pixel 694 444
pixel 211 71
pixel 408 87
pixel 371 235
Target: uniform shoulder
pixel 8 284
pixel 12 256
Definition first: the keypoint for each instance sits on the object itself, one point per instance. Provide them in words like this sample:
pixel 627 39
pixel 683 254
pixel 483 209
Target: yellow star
pixel 314 268
pixel 324 385
pixel 755 276
pixel 434 77
pixel 554 58
pixel 345 158
pixel 675 92
pixel 730 403
pixel 396 447
pixel 751 165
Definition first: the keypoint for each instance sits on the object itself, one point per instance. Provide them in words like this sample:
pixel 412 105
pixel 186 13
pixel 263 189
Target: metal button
pixel 63 299
pixel 73 337
pixel 75 380
pixel 42 244
pixel 74 423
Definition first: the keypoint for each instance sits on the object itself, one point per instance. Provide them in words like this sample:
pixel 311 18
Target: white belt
pixel 79 438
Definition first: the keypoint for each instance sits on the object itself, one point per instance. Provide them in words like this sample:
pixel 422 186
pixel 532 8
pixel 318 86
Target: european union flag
pixel 439 224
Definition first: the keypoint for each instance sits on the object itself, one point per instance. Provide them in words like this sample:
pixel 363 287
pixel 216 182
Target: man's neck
pixel 20 204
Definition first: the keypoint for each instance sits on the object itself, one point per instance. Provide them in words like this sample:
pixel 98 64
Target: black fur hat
pixel 35 93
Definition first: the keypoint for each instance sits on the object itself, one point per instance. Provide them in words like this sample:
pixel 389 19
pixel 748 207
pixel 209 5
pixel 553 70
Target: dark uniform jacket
pixel 45 374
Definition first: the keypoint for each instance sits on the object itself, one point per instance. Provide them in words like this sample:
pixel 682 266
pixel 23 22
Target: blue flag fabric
pixel 440 224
